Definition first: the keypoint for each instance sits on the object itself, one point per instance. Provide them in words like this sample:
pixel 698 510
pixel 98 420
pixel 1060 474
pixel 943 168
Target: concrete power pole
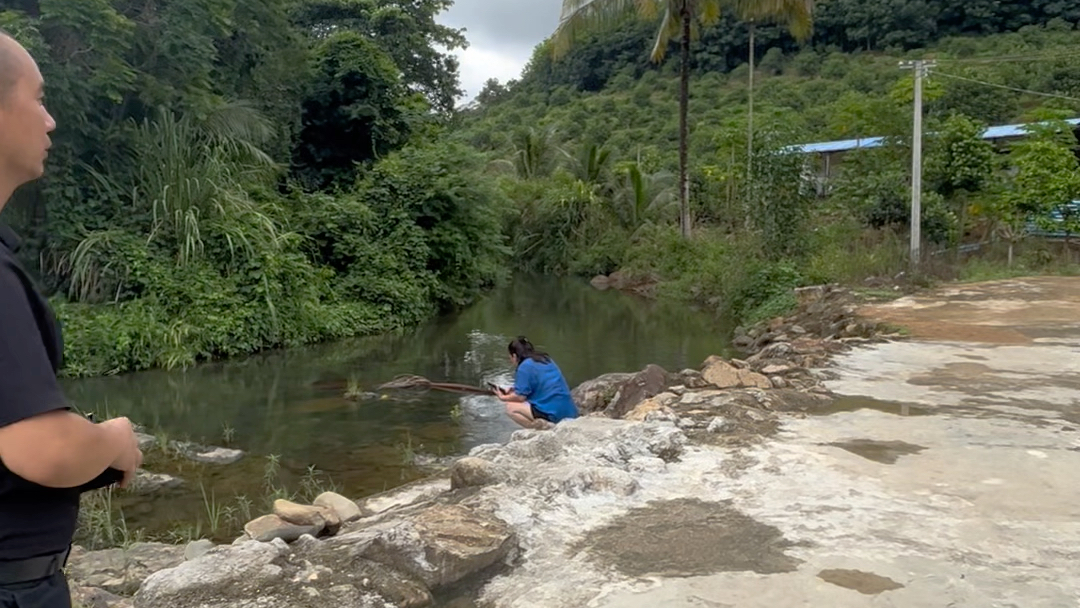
pixel 920 68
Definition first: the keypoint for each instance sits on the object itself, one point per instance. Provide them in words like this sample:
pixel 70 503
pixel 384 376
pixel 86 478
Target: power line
pixel 1006 87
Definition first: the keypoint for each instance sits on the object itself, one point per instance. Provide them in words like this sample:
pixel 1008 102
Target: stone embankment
pixel 521 504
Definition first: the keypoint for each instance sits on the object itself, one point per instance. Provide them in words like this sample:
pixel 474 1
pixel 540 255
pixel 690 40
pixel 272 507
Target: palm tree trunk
pixel 684 130
pixel 750 120
pixel 750 137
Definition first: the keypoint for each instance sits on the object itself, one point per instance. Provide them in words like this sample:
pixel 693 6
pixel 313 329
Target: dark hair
pixel 523 349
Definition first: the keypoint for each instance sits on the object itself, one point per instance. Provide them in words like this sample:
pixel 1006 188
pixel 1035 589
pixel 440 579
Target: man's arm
pixel 60 449
pixel 40 439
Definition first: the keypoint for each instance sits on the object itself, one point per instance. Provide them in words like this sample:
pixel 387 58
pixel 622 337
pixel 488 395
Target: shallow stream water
pixel 287 411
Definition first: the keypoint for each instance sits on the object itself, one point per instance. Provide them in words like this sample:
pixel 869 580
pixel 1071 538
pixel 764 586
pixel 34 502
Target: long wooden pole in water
pixel 410 382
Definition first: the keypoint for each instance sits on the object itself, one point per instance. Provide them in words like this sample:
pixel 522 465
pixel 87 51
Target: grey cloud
pixel 505 26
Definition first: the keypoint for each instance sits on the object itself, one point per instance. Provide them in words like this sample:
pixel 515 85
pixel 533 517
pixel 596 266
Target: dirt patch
pixel 689 537
pixel 1016 311
pixel 866 583
pixel 885 452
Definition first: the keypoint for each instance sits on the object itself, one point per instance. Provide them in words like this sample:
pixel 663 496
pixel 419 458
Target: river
pixel 287 411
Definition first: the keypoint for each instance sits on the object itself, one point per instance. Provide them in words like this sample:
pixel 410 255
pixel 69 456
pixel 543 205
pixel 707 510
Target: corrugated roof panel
pixel 844 145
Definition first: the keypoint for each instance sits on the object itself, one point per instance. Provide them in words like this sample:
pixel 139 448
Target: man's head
pixel 25 124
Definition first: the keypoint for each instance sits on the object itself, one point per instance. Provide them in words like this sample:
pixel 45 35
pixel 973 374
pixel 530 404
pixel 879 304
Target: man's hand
pixel 130 458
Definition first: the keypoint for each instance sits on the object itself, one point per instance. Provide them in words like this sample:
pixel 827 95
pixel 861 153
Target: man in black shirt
pixel 48 454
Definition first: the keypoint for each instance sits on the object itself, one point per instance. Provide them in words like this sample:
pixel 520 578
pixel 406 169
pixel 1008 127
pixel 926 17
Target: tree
pixel 357 110
pixel 1047 183
pixel 680 20
pixel 406 30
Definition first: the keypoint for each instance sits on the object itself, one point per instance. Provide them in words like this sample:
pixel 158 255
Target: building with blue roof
pixel 829 154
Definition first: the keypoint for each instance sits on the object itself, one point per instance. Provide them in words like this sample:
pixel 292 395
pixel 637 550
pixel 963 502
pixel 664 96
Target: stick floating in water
pixel 413 382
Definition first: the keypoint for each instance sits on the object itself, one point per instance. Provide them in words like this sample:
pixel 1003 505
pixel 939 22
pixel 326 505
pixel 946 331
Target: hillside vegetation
pixel 586 148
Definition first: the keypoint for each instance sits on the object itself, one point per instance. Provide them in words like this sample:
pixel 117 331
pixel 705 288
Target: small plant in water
pixel 353 390
pixel 215 512
pixel 243 509
pixel 455 412
pixel 100 526
pixel 314 483
pixel 227 433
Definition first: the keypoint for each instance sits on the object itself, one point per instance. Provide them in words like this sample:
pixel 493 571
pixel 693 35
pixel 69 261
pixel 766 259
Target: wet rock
pixel 270 527
pixel 92 597
pixel 681 537
pixel 146 482
pixel 197 548
pixel 866 583
pixel 772 370
pixel 471 472
pixel 219 456
pixel 301 515
pixel 595 395
pixel 601 282
pixel 121 571
pixel 346 509
pixel 778 382
pixel 146 442
pixel 643 385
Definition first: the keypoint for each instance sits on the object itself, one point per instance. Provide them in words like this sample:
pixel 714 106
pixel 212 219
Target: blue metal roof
pixel 843 145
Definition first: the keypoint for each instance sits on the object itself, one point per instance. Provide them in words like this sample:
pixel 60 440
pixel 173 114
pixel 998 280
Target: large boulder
pixel 270 575
pixel 438 544
pixel 595 395
pixel 643 385
pixel 347 510
pixel 472 472
pixel 121 571
pixel 722 374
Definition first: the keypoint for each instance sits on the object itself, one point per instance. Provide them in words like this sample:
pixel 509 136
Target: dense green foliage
pixel 770 224
pixel 234 175
pixel 840 27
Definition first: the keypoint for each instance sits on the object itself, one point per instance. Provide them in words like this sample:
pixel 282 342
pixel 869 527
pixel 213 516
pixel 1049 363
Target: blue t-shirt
pixel 543 386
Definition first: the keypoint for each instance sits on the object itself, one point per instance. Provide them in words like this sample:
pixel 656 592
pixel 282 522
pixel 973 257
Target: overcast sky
pixel 502 35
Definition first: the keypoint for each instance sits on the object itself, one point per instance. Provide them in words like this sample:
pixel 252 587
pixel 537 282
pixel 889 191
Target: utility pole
pixel 920 67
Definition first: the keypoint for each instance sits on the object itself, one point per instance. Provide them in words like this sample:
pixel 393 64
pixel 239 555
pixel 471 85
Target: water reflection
pixel 290 403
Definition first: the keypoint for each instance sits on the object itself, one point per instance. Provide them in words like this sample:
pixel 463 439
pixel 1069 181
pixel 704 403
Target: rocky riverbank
pixel 505 515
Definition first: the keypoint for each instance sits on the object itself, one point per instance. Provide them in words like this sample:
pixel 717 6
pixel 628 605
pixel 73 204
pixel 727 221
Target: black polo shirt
pixel 34 520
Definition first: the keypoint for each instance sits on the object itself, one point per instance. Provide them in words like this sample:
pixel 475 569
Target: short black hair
pixel 9 70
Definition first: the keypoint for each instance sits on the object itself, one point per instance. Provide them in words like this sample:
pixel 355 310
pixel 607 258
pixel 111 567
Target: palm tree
pixel 679 19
